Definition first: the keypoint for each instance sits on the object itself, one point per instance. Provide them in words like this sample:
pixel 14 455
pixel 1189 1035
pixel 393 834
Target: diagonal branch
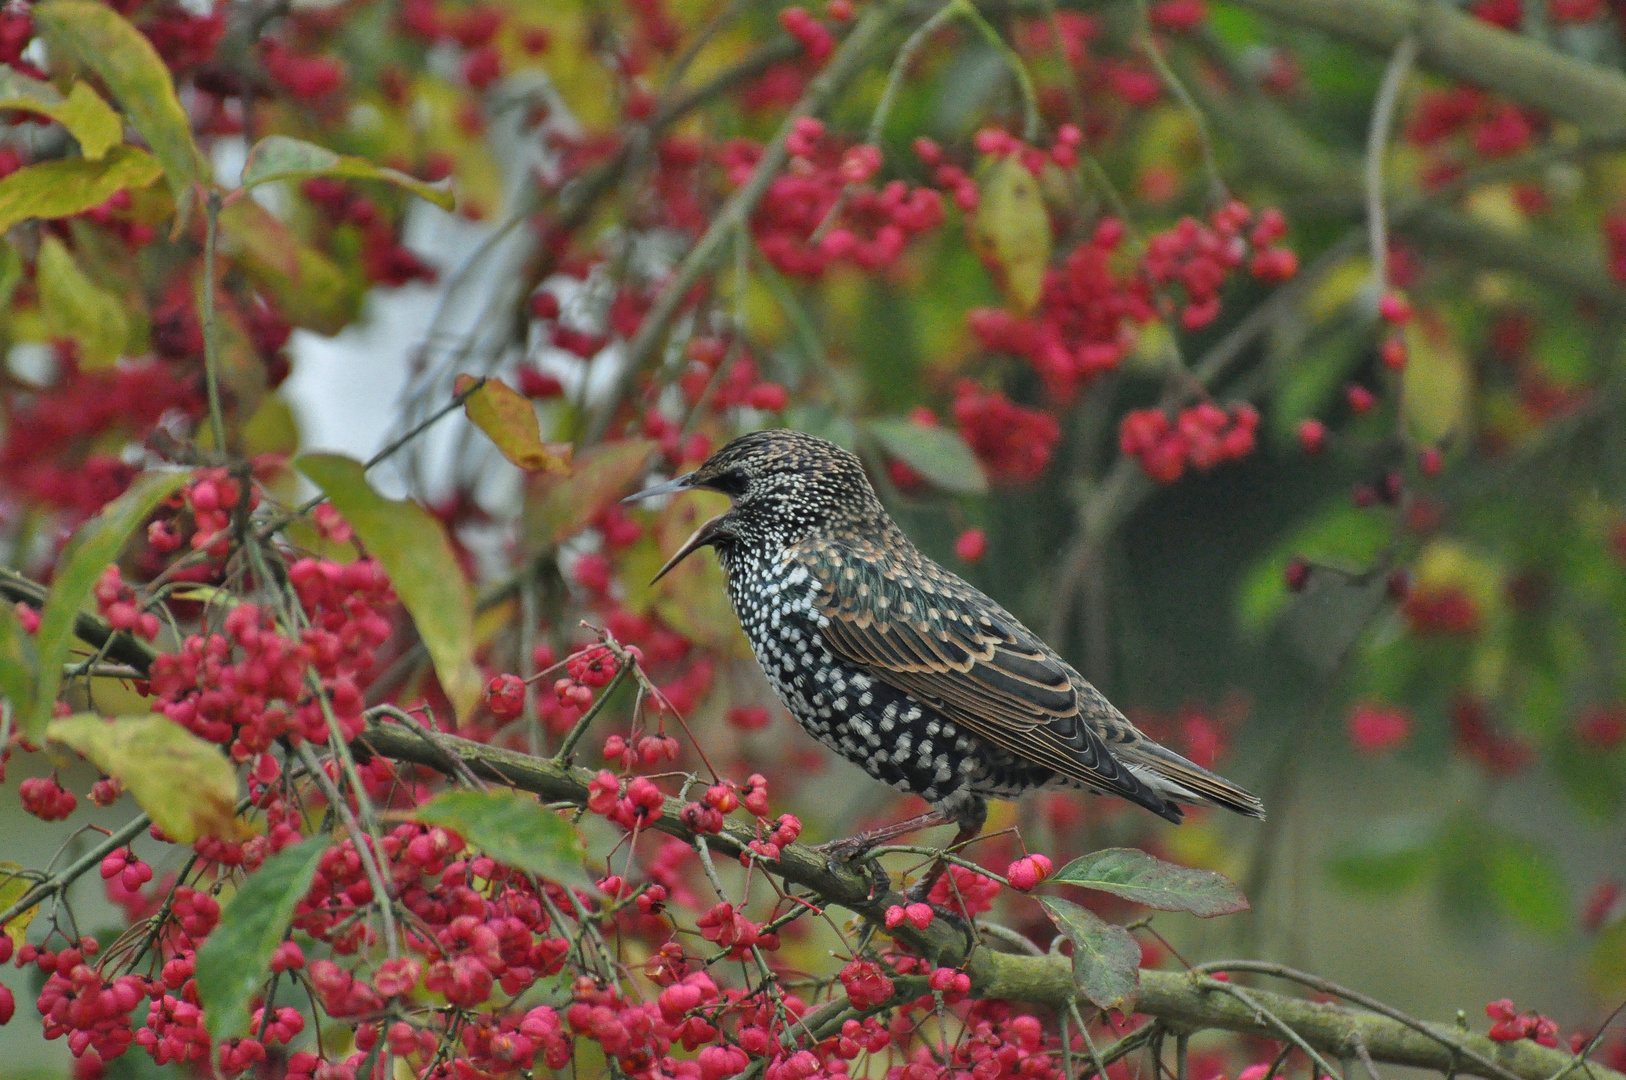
pixel 1189 1000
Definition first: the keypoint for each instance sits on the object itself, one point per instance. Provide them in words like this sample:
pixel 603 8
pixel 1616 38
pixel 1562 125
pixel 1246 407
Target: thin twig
pixel 1377 145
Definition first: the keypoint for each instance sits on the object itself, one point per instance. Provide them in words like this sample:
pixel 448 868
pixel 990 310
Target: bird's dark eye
pixel 733 482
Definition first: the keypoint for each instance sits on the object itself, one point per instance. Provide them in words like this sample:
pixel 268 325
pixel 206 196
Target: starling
pixel 902 667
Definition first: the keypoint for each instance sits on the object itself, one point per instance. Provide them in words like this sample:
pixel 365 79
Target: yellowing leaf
pixel 68 186
pixel 1011 231
pixel 1436 384
pixel 414 550
pixel 13 887
pixel 560 506
pixel 273 429
pixel 186 785
pixel 509 419
pixel 277 157
pixel 1338 288
pixel 19 665
pixel 89 119
pixel 99 38
pixel 96 544
pixel 76 307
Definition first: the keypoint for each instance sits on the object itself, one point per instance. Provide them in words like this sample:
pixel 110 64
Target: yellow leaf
pixel 99 38
pixel 1338 288
pixel 509 419
pixel 68 186
pixel 76 307
pixel 1011 231
pixel 1436 384
pixel 186 785
pixel 13 887
pixel 89 119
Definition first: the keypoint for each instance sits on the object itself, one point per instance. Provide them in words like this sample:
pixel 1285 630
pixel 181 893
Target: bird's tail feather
pixel 1182 781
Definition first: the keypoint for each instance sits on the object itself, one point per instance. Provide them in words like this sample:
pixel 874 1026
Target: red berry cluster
pixel 1511 1025
pixel 1199 258
pixel 1014 443
pixel 118 605
pixel 383 258
pixel 46 799
pixel 1203 437
pixel 870 227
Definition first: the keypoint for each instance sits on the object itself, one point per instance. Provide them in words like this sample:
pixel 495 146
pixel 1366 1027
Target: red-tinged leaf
pixel 277 157
pixel 310 289
pixel 561 505
pixel 77 308
pixel 513 828
pixel 1137 876
pixel 509 419
pixel 413 549
pixel 232 964
pixel 97 543
pixel 99 38
pixel 1011 231
pixel 68 186
pixel 89 119
pixel 186 785
pixel 1106 960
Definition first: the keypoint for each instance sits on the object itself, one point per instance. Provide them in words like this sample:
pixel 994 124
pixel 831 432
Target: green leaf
pixel 68 186
pixel 938 454
pixel 513 828
pixel 96 544
pixel 277 157
pixel 1106 959
pixel 102 40
pixel 186 785
pixel 1137 876
pixel 558 507
pixel 1386 857
pixel 1011 230
pixel 76 307
pixel 18 662
pixel 1342 536
pixel 234 960
pixel 1436 384
pixel 509 420
pixel 1528 885
pixel 89 119
pixel 413 549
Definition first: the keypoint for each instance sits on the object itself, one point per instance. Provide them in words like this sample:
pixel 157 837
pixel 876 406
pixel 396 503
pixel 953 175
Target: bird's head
pixel 785 485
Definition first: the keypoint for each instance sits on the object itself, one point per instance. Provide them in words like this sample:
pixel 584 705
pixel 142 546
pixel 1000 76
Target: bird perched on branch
pixel 902 667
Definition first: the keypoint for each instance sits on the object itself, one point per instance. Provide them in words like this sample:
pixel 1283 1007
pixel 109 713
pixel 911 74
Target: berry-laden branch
pixel 1189 1000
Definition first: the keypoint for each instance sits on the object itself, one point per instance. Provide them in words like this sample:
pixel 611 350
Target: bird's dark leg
pixel 971 819
pixel 843 851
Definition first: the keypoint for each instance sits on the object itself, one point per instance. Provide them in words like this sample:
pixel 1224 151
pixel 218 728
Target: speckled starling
pixel 899 665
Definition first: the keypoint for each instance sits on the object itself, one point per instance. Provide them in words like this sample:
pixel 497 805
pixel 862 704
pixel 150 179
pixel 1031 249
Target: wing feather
pixel 956 651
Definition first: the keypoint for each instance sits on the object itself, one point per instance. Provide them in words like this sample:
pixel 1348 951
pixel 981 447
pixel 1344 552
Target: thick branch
pixel 1186 999
pixel 1592 97
pixel 119 645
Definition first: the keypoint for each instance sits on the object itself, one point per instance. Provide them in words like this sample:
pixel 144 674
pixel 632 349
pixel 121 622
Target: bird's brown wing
pixel 919 628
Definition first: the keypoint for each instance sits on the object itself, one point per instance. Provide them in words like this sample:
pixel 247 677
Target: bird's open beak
pixel 670 487
pixel 704 535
